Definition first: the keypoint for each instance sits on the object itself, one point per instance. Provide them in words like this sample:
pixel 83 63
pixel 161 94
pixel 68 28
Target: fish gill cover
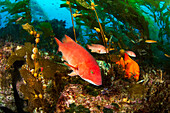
pixel 37 79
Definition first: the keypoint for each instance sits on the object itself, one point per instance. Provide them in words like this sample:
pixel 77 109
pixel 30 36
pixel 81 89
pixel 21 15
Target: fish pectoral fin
pixel 98 51
pixel 63 57
pixel 73 67
pixel 72 73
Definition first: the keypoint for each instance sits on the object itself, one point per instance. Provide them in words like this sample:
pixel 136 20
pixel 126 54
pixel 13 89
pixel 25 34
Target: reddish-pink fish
pixel 97 48
pixel 131 53
pixel 18 19
pixel 80 61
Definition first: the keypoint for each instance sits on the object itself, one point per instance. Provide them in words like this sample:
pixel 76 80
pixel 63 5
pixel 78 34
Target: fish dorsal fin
pixel 58 41
pixel 67 39
pixel 96 45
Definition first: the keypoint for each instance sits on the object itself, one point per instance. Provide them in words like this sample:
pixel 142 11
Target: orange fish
pixel 150 41
pixel 167 55
pixel 80 61
pixel 97 48
pixel 130 66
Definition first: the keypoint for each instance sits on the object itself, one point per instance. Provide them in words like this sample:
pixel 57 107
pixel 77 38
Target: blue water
pixel 51 9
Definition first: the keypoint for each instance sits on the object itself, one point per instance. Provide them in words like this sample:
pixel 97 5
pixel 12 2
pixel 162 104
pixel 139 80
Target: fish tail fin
pixel 88 46
pixel 58 42
pixel 67 39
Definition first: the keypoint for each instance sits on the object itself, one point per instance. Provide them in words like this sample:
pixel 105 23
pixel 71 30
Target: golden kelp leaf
pixel 28 27
pixel 21 52
pixel 38 87
pixel 24 89
pixel 37 66
pixel 84 3
pixel 31 80
pixel 14 58
pixel 49 69
pixel 26 75
pixel 29 61
pixel 39 32
pixel 29 46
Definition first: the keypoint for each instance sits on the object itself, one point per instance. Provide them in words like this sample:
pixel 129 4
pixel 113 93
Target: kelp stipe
pixel 68 2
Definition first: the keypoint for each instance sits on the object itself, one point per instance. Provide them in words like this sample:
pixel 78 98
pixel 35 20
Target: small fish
pixel 140 40
pixel 75 15
pixel 97 48
pixel 132 68
pixel 167 55
pixel 131 53
pixel 18 19
pixel 150 41
pixel 133 41
pixel 80 61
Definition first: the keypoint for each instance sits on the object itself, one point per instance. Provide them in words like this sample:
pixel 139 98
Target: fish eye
pixel 91 72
